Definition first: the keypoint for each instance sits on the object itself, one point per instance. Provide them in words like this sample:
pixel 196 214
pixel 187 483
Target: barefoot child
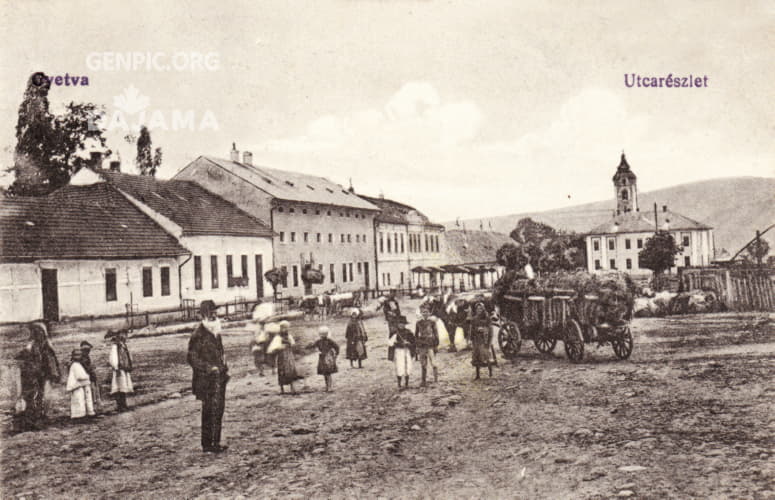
pixel 329 350
pixel 79 387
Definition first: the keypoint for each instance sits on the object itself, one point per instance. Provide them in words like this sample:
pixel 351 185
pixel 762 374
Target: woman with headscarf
pixel 328 350
pixel 481 337
pixel 282 346
pixel 121 363
pixel 356 339
pixel 38 365
pixel 79 387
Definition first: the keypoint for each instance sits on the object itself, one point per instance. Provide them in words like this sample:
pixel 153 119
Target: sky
pixel 462 109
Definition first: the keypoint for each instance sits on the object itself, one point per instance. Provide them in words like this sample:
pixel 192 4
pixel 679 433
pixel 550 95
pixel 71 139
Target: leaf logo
pixel 131 101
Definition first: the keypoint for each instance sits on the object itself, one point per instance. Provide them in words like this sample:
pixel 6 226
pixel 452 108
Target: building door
pixel 50 292
pixel 259 276
pixel 366 274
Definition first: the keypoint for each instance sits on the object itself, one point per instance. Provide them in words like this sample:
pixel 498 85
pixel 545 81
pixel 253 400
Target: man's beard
pixel 214 326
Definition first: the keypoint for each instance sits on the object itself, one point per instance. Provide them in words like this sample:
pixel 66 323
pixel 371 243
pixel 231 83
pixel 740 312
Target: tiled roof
pixel 639 222
pixel 293 186
pixel 393 212
pixel 189 205
pixel 474 247
pixel 80 222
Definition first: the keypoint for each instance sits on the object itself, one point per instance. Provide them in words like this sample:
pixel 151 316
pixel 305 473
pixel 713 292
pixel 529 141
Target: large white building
pixel 615 244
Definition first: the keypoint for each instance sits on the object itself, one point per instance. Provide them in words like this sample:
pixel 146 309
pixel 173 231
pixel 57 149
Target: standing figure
pixel 427 340
pixel 38 365
pixel 89 367
pixel 481 337
pixel 210 375
pixel 282 346
pixel 356 339
pixel 121 363
pixel 329 350
pixel 458 318
pixel 403 343
pixel 79 387
pixel 392 313
pixel 258 345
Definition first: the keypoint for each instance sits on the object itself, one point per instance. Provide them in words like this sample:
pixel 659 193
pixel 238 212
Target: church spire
pixel 625 187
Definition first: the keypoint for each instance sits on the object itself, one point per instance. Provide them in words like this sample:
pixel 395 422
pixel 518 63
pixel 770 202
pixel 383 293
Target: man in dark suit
pixel 205 355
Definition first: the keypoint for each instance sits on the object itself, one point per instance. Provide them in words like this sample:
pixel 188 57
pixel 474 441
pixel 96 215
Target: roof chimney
pixel 115 166
pixel 664 208
pixel 234 152
pixel 247 158
pixel 95 159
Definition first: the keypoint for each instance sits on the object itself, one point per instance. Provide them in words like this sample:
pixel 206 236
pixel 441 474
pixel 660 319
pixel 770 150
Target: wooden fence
pixel 743 289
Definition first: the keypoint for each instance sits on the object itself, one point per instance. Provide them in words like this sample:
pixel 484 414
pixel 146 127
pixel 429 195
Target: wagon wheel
pixel 509 339
pixel 574 341
pixel 544 344
pixel 623 343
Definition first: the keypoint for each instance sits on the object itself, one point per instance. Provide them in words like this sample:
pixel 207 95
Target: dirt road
pixel 690 415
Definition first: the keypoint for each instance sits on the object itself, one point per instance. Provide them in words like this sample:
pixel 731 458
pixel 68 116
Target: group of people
pixel 437 322
pixel 39 369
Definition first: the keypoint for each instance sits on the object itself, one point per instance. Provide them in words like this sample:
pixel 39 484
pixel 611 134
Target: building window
pixel 318 237
pixel 344 273
pixel 330 237
pixel 197 272
pixel 629 263
pixel 395 241
pixel 381 243
pixel 284 272
pixel 331 273
pixel 293 237
pixel 280 209
pixel 110 285
pixel 165 280
pixel 295 270
pixel 360 268
pixel 611 243
pixel 282 236
pixel 147 282
pixel 304 211
pixel 388 243
pixel 627 244
pixel 402 242
pixel 317 212
pixel 350 268
pixel 687 238
pixel 687 261
pixel 640 243
pixel 341 238
pixel 357 238
pixel 214 271
pixel 306 237
pixel 437 243
pixel 402 278
pixel 613 263
pixel 364 238
pixel 328 213
pixel 291 210
pixel 245 268
pixel 229 271
pixel 349 238
pixel 426 242
pixel 597 264
pixel 596 245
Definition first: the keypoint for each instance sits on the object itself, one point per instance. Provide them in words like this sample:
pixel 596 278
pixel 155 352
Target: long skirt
pixel 286 367
pixel 121 382
pixel 81 403
pixel 482 355
pixel 356 350
pixel 402 357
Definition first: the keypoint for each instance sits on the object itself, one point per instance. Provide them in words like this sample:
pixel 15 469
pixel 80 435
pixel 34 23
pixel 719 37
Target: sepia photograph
pixel 387 249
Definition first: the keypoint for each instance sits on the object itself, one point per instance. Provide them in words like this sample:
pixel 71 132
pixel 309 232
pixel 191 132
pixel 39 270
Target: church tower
pixel 625 188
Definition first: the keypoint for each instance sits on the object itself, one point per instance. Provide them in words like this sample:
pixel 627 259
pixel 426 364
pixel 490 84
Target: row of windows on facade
pixel 232 279
pixel 347 275
pixel 395 243
pixel 685 241
pixel 111 294
pixel 343 238
pixel 628 263
pixel 317 211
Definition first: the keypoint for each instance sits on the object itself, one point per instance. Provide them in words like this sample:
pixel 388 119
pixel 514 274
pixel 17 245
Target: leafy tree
pixel 659 252
pixel 46 144
pixel 547 249
pixel 757 250
pixel 510 256
pixel 147 163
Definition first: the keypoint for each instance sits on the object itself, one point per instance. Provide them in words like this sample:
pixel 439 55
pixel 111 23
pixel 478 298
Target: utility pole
pixel 656 224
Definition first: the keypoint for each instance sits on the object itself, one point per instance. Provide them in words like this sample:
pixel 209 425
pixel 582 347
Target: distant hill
pixel 736 207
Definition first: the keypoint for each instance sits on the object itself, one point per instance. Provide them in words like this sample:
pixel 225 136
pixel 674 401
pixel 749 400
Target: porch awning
pixel 451 268
pixel 435 269
pixel 420 269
